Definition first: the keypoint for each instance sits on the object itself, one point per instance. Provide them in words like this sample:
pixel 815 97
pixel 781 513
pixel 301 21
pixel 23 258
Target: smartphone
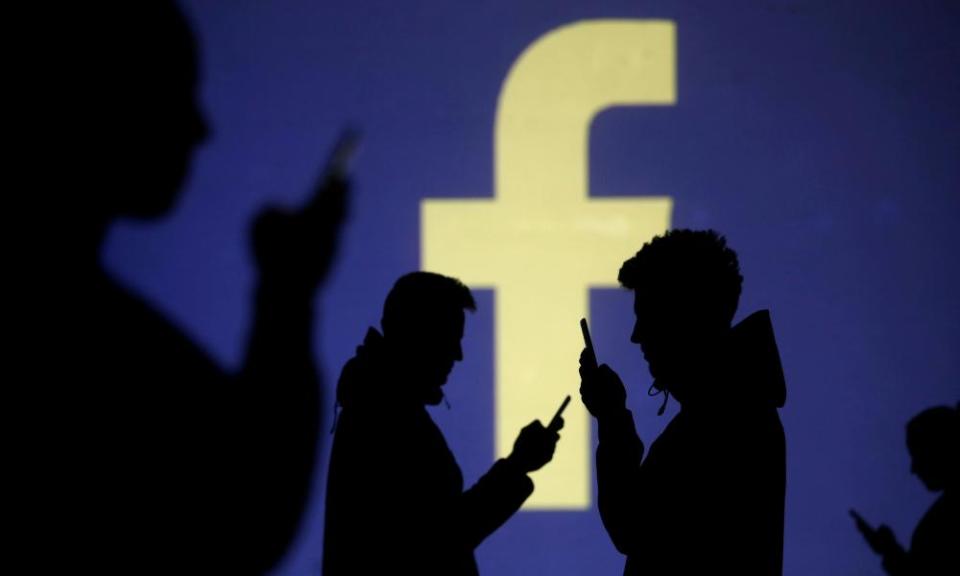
pixel 338 164
pixel 588 342
pixel 862 524
pixel 337 169
pixel 555 421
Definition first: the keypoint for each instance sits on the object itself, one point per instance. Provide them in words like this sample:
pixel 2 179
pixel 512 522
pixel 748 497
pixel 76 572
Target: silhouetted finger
pixel 584 356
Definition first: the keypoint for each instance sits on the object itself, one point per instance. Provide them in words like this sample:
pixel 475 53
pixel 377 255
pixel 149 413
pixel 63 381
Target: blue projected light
pixel 821 142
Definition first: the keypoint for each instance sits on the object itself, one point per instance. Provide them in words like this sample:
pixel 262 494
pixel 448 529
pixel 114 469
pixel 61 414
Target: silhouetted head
pixel 139 122
pixel 933 439
pixel 422 323
pixel 686 288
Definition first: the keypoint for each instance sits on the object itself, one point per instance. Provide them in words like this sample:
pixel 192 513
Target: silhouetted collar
pixel 371 377
pixel 754 361
pixel 748 370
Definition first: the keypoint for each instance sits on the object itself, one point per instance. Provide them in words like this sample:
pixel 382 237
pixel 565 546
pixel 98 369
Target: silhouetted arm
pixel 620 480
pixel 502 490
pixel 278 408
pixel 492 501
pixel 277 399
pixel 395 505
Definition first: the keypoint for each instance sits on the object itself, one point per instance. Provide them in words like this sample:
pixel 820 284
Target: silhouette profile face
pixel 423 320
pixel 677 338
pixel 931 441
pixel 927 470
pixel 429 352
pixel 686 287
pixel 148 111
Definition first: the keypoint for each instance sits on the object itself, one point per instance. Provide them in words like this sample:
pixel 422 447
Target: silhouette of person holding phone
pixel 395 495
pixel 155 459
pixel 709 496
pixel 933 440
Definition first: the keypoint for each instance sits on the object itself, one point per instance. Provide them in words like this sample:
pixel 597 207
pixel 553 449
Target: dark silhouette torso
pixel 716 486
pixel 395 498
pixel 709 497
pixel 933 547
pixel 160 464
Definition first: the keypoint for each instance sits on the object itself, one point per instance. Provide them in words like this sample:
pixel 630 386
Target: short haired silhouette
pixel 157 459
pixel 133 73
pixel 423 296
pixel 933 440
pixel 694 268
pixel 709 496
pixel 395 495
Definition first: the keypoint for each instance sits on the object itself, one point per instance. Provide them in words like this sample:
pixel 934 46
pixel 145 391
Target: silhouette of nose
pixel 635 335
pixel 458 356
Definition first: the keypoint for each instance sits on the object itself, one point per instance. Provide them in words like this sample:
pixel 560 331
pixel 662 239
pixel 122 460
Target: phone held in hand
pixel 555 421
pixel 338 164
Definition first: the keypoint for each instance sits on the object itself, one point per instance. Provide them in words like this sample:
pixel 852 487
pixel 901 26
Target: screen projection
pixel 529 148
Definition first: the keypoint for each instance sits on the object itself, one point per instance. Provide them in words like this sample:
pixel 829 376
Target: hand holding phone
pixel 880 539
pixel 329 197
pixel 601 390
pixel 295 247
pixel 535 445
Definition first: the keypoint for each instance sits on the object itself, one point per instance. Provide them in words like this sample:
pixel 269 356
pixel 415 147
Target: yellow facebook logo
pixel 541 242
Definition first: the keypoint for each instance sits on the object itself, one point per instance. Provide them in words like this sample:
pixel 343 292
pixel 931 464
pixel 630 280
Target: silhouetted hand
pixel 294 248
pixel 534 446
pixel 880 539
pixel 601 390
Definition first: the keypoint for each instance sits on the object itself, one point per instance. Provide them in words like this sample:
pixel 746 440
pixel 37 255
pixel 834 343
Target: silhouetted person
pixel 709 497
pixel 933 439
pixel 395 498
pixel 159 461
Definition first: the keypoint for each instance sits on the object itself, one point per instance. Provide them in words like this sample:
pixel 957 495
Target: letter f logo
pixel 541 242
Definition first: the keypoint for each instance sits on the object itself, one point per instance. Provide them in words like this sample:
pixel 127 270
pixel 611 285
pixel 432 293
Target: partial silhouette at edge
pixel 150 457
pixel 933 440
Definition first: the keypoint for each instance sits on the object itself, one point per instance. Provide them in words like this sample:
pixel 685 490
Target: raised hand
pixel 294 248
pixel 601 389
pixel 535 446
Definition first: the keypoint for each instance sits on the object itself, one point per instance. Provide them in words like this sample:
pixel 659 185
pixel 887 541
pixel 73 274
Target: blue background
pixel 820 136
